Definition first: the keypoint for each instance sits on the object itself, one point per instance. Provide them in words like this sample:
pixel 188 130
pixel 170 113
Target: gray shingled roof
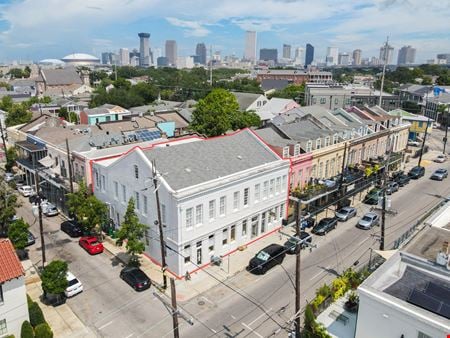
pixel 193 163
pixel 64 76
pixel 272 138
pixel 245 99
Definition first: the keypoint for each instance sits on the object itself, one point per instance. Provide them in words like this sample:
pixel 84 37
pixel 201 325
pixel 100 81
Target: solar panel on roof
pixel 147 135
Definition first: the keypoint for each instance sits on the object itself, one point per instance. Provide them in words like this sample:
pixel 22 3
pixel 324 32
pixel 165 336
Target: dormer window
pixel 360 130
pixel 335 138
pixel 308 146
pixel 327 141
pixel 297 150
pixel 285 152
pixel 318 143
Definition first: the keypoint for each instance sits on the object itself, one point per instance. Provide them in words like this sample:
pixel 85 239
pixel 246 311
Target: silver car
pixel 345 213
pixel 439 174
pixel 368 221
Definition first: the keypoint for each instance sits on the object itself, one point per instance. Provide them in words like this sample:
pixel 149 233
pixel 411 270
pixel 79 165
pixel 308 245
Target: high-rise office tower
pixel 250 46
pixel 286 51
pixel 144 49
pixel 406 55
pixel 124 57
pixel 386 54
pixel 268 54
pixel 309 57
pixel 332 56
pixel 343 59
pixel 106 58
pixel 171 52
pixel 357 57
pixel 200 51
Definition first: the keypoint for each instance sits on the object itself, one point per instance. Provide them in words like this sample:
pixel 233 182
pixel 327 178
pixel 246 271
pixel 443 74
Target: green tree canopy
pixel 18 233
pixel 8 205
pixel 54 280
pixel 18 114
pixel 132 231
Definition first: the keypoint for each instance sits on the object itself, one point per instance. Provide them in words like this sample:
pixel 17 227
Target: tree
pixel 245 119
pixel 18 114
pixel 36 315
pixel 63 113
pixel 213 115
pixel 26 330
pixel 133 232
pixel 294 92
pixel 18 233
pixel 54 280
pixel 11 155
pixel 411 107
pixel 43 331
pixel 8 205
pixel 90 212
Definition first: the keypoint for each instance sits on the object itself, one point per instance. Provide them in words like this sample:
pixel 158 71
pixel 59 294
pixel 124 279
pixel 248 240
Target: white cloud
pixel 191 28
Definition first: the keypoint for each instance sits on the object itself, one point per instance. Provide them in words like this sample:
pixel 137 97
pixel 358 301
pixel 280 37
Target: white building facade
pixel 215 195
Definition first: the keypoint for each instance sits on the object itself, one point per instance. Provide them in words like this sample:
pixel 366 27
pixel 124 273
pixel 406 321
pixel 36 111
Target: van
pixel 266 259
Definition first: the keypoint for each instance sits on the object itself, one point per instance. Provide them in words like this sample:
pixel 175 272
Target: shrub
pixel 29 301
pixel 339 287
pixel 27 330
pixel 36 315
pixel 54 280
pixel 43 331
pixel 324 290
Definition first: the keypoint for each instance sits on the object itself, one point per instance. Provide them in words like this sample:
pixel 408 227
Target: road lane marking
pixel 248 327
pixel 129 335
pixel 261 315
pixel 233 317
pixel 105 325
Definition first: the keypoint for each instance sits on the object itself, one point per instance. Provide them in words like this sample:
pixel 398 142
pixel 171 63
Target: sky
pixel 40 29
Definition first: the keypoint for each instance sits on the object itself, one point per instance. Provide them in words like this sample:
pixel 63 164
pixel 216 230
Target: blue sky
pixel 38 29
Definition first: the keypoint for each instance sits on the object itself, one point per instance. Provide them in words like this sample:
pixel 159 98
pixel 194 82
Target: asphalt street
pixel 245 305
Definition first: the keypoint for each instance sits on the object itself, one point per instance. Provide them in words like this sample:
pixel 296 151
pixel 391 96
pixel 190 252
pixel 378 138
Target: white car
pixel 26 190
pixel 49 209
pixel 413 143
pixel 440 158
pixel 74 286
pixel 9 177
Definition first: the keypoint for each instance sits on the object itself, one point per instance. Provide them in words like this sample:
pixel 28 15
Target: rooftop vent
pixel 239 157
pixel 188 170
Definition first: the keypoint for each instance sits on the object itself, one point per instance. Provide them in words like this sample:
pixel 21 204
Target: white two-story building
pixel 215 195
pixel 13 296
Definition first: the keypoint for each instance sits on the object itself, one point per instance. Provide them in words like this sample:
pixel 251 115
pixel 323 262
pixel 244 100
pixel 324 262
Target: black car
pixel 31 239
pixel 266 259
pixel 307 223
pixel 72 228
pixel 136 278
pixel 294 243
pixel 402 179
pixel 416 172
pixel 325 225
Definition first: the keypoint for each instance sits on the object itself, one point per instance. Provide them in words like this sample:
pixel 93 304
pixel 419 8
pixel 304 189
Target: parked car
pixel 402 179
pixel 136 278
pixel 392 187
pixel 49 210
pixel 266 259
pixel 72 228
pixel 416 172
pixel 344 214
pixel 373 196
pixel 91 245
pixel 25 190
pixel 9 177
pixel 324 226
pixel 19 182
pixel 295 243
pixel 74 286
pixel 439 174
pixel 440 158
pixel 31 239
pixel 413 143
pixel 368 221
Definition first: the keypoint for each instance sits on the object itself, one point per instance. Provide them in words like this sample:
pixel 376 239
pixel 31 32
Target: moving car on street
pixel 440 158
pixel 136 278
pixel 91 245
pixel 392 187
pixel 266 259
pixel 25 190
pixel 368 221
pixel 439 174
pixel 344 214
pixel 416 172
pixel 325 226
pixel 295 243
pixel 74 286
pixel 72 228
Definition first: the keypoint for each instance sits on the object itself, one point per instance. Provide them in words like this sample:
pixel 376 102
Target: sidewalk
pixel 62 320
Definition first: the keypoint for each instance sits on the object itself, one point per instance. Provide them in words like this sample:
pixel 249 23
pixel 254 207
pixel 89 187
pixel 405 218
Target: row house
pixel 216 195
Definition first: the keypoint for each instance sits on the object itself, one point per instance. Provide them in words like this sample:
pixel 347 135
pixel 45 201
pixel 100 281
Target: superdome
pixel 80 59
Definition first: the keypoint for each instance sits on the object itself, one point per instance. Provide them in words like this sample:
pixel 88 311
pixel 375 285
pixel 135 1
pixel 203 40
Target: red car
pixel 91 245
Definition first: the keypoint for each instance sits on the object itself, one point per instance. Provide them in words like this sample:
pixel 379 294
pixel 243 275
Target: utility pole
pixel 384 70
pixel 173 295
pixel 69 163
pixel 341 181
pixel 297 271
pixel 41 226
pixel 4 142
pixel 423 142
pixel 160 225
pixel 446 128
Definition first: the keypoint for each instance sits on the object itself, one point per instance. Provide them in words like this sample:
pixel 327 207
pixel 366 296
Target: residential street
pixel 112 309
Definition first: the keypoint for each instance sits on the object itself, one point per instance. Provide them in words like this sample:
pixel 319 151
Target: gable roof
pixel 245 99
pixel 268 84
pixel 10 266
pixel 193 163
pixel 64 76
